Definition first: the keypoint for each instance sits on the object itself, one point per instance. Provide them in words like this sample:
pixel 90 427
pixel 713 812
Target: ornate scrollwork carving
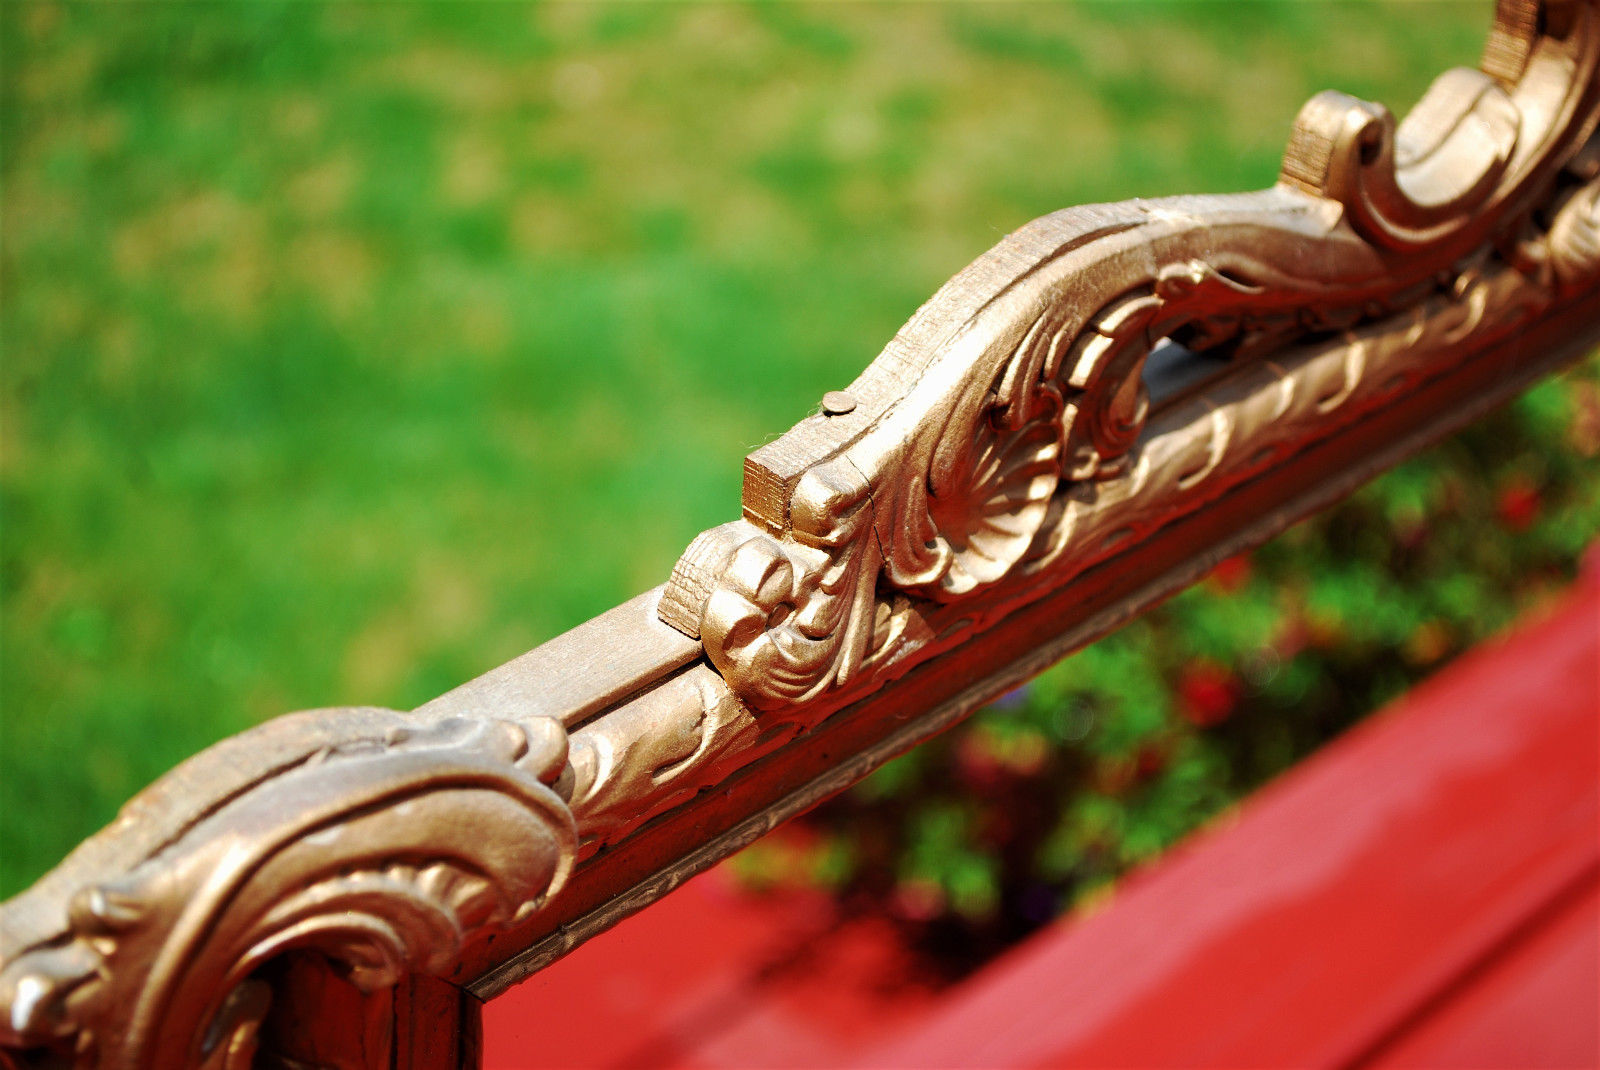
pixel 987 432
pixel 1003 443
pixel 380 841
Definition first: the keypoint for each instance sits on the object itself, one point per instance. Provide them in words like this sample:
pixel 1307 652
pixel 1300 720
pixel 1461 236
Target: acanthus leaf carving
pixel 1007 424
pixel 385 851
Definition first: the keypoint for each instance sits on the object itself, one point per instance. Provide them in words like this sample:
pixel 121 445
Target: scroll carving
pixel 1005 436
pixel 1005 442
pixel 384 843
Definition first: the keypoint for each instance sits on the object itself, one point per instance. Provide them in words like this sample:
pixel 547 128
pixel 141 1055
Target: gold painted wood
pixel 1078 424
pixel 1006 432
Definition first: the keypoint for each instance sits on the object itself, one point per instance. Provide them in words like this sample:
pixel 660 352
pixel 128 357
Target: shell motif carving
pixel 994 420
pixel 992 501
pixel 386 851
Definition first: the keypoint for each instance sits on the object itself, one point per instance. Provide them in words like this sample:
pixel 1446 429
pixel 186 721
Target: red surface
pixel 1532 1006
pixel 1404 895
pixel 1422 892
pixel 709 977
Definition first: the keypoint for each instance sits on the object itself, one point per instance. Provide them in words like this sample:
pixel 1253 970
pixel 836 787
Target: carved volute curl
pixel 1002 448
pixel 379 840
pixel 1003 437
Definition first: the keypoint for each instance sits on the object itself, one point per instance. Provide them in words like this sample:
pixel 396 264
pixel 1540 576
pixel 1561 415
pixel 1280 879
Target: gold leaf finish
pixel 1002 485
pixel 1005 431
pixel 380 842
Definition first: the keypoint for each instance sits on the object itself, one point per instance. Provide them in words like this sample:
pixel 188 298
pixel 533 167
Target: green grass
pixel 352 349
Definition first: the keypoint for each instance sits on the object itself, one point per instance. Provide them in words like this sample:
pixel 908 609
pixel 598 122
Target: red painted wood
pixel 1532 1006
pixel 1345 905
pixel 712 977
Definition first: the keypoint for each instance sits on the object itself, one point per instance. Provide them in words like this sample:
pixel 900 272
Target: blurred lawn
pixel 352 349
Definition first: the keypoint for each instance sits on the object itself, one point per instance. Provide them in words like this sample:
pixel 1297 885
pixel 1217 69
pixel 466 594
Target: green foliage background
pixel 351 349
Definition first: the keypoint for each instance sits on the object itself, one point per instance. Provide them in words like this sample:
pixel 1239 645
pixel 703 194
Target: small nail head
pixel 838 402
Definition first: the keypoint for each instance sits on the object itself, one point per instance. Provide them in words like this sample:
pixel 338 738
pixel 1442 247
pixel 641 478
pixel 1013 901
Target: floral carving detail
pixel 405 840
pixel 798 614
pixel 985 428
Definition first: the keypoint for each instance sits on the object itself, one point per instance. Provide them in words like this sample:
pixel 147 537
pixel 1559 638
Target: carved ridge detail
pixel 386 851
pixel 985 439
pixel 1005 442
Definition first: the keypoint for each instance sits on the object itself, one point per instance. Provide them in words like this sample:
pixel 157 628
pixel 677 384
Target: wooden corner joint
pixel 1005 440
pixel 1005 444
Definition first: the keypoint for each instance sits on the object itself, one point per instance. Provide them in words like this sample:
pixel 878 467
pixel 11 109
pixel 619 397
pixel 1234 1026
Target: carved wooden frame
pixel 1012 478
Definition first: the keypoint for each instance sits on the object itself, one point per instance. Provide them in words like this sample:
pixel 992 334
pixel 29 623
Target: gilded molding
pixel 384 843
pixel 1006 432
pixel 1001 450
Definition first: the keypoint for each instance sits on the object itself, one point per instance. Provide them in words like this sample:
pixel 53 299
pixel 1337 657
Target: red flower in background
pixel 1154 757
pixel 1207 693
pixel 1518 504
pixel 1232 574
pixel 977 763
pixel 918 899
